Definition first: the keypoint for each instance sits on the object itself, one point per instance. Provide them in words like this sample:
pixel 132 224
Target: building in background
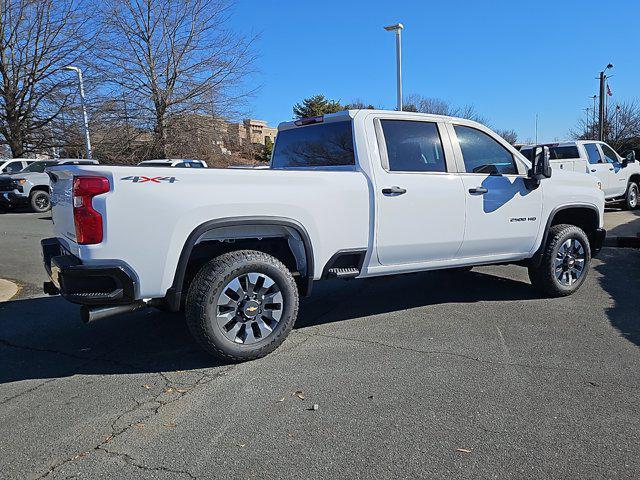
pixel 251 131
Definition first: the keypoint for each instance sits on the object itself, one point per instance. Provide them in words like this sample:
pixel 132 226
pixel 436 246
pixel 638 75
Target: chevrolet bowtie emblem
pixel 252 309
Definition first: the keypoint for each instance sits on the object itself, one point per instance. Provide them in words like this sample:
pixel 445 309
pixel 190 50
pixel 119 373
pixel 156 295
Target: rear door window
pixel 319 145
pixel 593 154
pixel 413 146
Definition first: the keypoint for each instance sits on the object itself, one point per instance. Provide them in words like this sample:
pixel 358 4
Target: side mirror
pixel 630 157
pixel 540 167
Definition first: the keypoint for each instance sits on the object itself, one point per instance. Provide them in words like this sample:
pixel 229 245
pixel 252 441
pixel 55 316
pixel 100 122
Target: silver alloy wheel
pixel 249 308
pixel 570 261
pixel 633 196
pixel 41 201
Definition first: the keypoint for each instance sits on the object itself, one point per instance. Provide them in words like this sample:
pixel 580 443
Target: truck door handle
pixel 611 169
pixel 480 190
pixel 394 191
pixel 593 170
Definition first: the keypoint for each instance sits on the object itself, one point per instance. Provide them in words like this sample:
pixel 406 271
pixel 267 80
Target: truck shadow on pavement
pixel 620 278
pixel 43 337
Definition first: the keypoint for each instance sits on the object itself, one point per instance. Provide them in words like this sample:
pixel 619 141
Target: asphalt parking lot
pixel 433 375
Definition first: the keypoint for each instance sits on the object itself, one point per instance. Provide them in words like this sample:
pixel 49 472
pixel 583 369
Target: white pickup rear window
pixel 318 145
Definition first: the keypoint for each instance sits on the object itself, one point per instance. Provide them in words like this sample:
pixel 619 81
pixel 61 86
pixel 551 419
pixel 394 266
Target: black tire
pixel 631 197
pixel 206 288
pixel 40 201
pixel 543 276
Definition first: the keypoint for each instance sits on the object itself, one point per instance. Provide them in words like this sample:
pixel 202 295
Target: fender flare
pixel 537 256
pixel 174 293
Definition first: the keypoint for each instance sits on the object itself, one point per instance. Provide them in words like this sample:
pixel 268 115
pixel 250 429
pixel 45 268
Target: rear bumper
pixel 85 284
pixel 596 240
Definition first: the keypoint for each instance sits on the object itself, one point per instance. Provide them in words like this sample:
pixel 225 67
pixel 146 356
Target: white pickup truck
pixel 358 193
pixel 619 176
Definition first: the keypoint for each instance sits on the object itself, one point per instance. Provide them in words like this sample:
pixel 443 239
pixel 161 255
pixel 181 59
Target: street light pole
pixel 592 130
pixel 398 29
pixel 87 140
pixel 602 113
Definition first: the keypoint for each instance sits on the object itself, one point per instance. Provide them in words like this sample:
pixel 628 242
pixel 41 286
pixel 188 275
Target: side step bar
pixel 343 272
pixel 91 314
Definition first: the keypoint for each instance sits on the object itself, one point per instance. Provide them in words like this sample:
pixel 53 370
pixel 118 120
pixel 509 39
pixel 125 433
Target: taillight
pixel 88 221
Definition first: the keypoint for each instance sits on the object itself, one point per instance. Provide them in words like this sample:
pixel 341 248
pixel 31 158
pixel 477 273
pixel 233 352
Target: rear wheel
pixel 565 262
pixel 40 201
pixel 242 305
pixel 631 197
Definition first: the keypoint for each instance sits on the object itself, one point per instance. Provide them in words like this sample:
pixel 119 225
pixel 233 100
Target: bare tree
pixel 621 127
pixel 174 57
pixel 436 106
pixel 509 135
pixel 37 39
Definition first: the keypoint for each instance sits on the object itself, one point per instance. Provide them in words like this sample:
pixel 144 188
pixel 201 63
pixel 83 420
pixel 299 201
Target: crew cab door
pixel 617 175
pixel 502 214
pixel 600 168
pixel 419 197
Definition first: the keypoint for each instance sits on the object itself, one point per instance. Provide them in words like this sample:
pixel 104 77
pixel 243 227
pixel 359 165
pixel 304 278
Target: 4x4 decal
pixel 142 179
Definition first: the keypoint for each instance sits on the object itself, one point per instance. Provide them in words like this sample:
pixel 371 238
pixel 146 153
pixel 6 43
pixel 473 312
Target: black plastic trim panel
pixel 85 284
pixel 174 294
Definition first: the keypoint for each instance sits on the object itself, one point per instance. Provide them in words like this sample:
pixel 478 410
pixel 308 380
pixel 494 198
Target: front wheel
pixel 565 262
pixel 40 201
pixel 242 305
pixel 631 197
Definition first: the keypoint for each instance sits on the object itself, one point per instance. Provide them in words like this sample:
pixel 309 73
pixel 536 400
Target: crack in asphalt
pixel 86 361
pixel 444 352
pixel 168 387
pixel 129 460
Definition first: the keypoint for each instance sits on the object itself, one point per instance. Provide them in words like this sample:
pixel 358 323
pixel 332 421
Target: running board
pixel 343 272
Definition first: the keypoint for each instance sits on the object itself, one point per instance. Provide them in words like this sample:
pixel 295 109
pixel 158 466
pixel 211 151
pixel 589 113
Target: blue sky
pixel 510 60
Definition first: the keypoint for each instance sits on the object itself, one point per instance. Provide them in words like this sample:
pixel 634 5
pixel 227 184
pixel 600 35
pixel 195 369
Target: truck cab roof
pixel 351 114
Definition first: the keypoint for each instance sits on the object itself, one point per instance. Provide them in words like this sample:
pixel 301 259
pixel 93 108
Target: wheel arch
pixel 39 188
pixel 584 216
pixel 246 229
pixel 635 178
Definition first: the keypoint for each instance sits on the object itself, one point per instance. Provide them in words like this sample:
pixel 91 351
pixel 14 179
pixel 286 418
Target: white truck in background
pixel 358 193
pixel 619 176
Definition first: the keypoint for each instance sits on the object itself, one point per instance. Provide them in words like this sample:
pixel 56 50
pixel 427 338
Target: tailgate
pixel 62 203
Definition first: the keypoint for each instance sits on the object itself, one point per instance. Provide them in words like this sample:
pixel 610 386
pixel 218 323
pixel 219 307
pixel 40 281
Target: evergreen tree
pixel 315 106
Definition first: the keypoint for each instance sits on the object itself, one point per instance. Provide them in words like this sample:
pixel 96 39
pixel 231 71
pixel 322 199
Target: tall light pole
pixel 592 130
pixel 601 116
pixel 586 124
pixel 398 29
pixel 87 140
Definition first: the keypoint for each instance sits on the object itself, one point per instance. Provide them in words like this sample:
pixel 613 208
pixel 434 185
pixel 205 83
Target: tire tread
pixel 542 277
pixel 211 277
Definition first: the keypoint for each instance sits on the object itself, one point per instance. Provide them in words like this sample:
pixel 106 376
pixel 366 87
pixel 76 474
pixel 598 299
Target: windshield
pixel 38 167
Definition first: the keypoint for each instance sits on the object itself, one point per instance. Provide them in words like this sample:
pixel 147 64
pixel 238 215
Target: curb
pixel 622 242
pixel 7 290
